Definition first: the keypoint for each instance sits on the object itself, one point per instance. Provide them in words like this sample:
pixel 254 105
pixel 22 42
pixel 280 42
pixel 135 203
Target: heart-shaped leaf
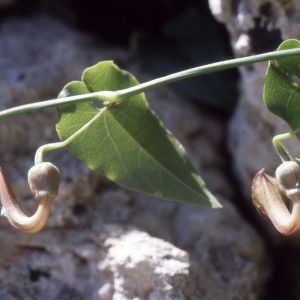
pixel 281 92
pixel 128 143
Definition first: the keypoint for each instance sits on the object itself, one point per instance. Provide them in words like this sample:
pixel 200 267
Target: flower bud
pixel 288 178
pixel 43 179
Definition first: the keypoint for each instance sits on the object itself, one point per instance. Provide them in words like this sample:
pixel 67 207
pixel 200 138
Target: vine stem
pixel 41 151
pixel 118 96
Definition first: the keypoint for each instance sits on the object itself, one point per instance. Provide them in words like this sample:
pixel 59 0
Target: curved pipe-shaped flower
pixel 278 200
pixel 43 179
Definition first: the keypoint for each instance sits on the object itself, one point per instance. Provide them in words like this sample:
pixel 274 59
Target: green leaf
pixel 128 143
pixel 281 93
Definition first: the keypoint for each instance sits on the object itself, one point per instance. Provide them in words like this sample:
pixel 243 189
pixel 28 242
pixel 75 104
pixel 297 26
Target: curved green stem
pixel 118 96
pixel 41 151
pixel 104 96
pixel 281 150
pixel 214 67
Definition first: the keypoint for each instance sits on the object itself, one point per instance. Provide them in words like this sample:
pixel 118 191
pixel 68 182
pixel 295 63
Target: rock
pixel 111 260
pixel 143 267
pixel 251 130
pixel 254 27
pixel 216 258
pixel 77 255
pixel 257 25
pixel 116 264
pixel 252 126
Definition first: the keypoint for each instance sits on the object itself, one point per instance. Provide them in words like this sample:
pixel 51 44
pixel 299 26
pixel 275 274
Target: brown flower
pixel 278 200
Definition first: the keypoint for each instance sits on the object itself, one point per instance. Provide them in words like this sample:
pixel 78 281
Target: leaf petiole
pixel 41 151
pixel 281 150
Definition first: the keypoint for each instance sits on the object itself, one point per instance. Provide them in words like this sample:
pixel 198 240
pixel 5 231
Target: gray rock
pixel 113 264
pixel 93 257
pixel 252 126
pixel 172 250
pixel 216 258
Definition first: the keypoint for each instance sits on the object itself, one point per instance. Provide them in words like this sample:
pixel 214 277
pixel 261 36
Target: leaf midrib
pixel 151 156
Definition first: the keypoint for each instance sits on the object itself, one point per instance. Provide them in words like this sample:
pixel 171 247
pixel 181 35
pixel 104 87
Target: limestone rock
pixel 144 268
pixel 99 259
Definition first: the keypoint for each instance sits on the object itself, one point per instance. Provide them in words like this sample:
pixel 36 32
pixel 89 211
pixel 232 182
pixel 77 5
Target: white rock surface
pixel 101 240
pixel 143 268
pixel 242 17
